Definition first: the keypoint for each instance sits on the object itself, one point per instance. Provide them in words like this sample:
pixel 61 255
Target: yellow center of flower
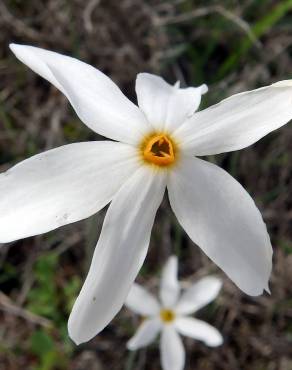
pixel 167 316
pixel 158 149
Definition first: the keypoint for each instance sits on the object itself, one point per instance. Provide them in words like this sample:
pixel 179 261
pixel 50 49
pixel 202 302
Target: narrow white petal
pixel 141 301
pixel 199 330
pixel 97 100
pixel 238 121
pixel 169 286
pixel 145 335
pixel 165 106
pixel 61 186
pixel 119 254
pixel 221 217
pixel 199 295
pixel 172 352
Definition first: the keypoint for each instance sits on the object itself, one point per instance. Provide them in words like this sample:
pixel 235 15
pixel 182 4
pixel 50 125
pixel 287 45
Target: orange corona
pixel 159 149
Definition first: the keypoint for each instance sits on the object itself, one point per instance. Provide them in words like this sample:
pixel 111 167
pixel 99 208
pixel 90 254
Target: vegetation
pixel 232 46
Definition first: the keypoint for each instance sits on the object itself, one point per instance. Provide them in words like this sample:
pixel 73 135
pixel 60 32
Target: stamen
pixel 159 150
pixel 167 315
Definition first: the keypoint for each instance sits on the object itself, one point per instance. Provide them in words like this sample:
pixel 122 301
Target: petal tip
pixel 77 342
pixel 14 47
pixel 177 85
pixel 267 289
pixel 254 292
pixel 74 334
pixel 74 339
pixel 130 346
pixel 204 89
pixel 173 258
pixel 18 49
pixel 283 83
pixel 218 282
pixel 77 336
pixel 216 343
pixel 142 74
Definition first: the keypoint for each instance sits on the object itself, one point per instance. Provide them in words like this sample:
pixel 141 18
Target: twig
pixel 87 15
pixel 27 278
pixel 17 24
pixel 6 305
pixel 67 244
pixel 202 12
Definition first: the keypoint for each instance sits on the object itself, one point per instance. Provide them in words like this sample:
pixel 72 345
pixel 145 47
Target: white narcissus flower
pixel 152 147
pixel 171 316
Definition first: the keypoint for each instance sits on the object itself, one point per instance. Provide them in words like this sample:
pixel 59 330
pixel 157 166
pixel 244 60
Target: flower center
pixel 167 316
pixel 158 149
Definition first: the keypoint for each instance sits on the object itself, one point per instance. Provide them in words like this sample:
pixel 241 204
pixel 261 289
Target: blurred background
pixel 232 46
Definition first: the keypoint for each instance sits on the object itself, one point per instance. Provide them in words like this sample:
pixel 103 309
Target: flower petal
pixel 165 106
pixel 169 286
pixel 221 217
pixel 238 121
pixel 61 186
pixel 199 330
pixel 119 254
pixel 142 302
pixel 199 295
pixel 146 334
pixel 172 352
pixel 96 99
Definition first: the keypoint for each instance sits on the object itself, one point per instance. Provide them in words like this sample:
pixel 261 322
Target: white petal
pixel 172 352
pixel 96 99
pixel 169 286
pixel 238 121
pixel 199 330
pixel 119 254
pixel 221 217
pixel 146 334
pixel 61 186
pixel 199 295
pixel 165 106
pixel 141 301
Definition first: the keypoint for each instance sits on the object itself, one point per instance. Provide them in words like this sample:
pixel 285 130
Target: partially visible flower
pixel 171 317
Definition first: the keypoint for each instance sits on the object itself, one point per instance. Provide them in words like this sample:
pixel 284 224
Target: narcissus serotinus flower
pixel 170 316
pixel 152 147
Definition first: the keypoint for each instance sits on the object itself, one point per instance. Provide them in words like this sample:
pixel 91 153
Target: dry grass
pixel 232 47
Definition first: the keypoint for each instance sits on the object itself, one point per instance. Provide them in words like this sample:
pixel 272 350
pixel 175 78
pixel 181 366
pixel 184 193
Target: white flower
pixel 155 146
pixel 171 316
